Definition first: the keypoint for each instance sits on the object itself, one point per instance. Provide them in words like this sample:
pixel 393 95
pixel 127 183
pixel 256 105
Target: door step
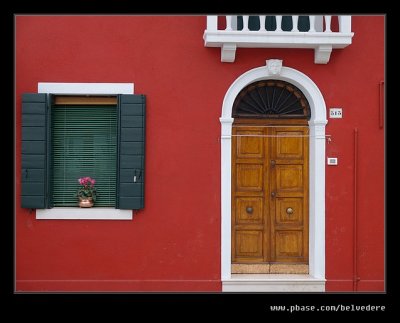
pixel 269 269
pixel 273 283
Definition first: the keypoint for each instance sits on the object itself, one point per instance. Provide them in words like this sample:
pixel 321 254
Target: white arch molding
pixel 315 281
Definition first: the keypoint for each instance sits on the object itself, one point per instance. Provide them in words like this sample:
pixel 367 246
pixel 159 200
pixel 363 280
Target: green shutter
pixel 84 143
pixel 33 151
pixel 131 151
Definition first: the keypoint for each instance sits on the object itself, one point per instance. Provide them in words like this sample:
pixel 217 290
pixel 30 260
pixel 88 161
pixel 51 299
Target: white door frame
pixel 316 163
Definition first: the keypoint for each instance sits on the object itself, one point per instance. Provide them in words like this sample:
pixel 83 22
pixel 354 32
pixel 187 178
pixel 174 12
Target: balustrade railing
pixel 316 23
pixel 321 32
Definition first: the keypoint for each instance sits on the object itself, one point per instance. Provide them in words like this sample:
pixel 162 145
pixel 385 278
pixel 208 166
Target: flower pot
pixel 86 202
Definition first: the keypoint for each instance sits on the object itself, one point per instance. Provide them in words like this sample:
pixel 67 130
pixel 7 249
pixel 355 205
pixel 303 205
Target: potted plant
pixel 87 192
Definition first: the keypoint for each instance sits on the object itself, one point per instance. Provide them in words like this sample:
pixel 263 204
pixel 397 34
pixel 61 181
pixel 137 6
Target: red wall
pixel 174 243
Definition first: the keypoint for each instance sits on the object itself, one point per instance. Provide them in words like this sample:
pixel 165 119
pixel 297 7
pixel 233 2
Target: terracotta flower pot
pixel 86 202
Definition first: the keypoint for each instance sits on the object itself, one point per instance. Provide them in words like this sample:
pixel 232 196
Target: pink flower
pixel 86 181
pixel 87 188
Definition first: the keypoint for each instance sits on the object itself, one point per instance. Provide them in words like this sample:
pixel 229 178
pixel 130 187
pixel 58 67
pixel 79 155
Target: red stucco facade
pixel 174 243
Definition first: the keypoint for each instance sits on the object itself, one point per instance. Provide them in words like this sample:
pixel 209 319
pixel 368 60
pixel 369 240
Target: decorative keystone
pixel 274 66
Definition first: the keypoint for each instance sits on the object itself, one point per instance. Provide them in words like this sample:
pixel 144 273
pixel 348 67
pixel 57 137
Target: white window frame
pixel 70 213
pixel 315 281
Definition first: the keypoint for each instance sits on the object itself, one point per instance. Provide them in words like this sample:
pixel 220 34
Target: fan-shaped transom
pixel 271 99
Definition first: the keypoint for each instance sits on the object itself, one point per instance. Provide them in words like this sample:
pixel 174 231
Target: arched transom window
pixel 271 99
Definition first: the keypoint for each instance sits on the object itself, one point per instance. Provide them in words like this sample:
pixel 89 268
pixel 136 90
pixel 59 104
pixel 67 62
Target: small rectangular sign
pixel 332 160
pixel 335 113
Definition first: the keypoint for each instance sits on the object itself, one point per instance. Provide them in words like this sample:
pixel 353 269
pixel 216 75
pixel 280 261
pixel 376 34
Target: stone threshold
pixel 269 269
pixel 273 283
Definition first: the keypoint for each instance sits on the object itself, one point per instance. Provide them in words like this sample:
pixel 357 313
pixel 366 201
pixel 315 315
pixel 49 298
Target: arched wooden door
pixel 270 179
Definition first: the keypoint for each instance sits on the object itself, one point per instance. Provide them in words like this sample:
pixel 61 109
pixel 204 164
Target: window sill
pixel 71 213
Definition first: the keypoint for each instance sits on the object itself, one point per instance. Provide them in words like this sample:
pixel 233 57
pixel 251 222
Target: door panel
pixel 248 184
pixel 288 245
pixel 288 146
pixel 249 177
pixel 270 193
pixel 289 178
pixel 289 204
pixel 249 210
pixel 249 244
pixel 289 211
pixel 249 146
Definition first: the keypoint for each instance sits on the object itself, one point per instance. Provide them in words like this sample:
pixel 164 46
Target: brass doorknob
pixel 273 194
pixel 289 210
pixel 249 209
pixel 273 163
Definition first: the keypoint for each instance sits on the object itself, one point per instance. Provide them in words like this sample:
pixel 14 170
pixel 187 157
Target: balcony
pixel 317 32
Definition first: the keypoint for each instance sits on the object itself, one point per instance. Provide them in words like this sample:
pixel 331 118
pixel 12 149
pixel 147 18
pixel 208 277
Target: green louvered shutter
pixel 33 151
pixel 84 143
pixel 131 151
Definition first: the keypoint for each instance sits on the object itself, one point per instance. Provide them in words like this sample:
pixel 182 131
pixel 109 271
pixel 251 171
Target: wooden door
pixel 270 192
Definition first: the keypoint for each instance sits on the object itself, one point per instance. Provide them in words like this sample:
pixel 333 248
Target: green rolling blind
pixel 84 143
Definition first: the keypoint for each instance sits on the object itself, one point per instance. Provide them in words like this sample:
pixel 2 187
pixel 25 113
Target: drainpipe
pixel 356 279
pixel 381 103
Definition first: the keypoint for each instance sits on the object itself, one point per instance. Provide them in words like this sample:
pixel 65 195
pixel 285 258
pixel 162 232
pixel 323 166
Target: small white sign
pixel 332 160
pixel 335 113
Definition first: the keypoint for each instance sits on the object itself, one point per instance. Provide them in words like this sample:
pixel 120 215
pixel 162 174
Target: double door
pixel 270 192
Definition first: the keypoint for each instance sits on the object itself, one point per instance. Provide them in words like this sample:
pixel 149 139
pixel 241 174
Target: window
pixel 84 143
pixel 271 99
pixel 109 138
